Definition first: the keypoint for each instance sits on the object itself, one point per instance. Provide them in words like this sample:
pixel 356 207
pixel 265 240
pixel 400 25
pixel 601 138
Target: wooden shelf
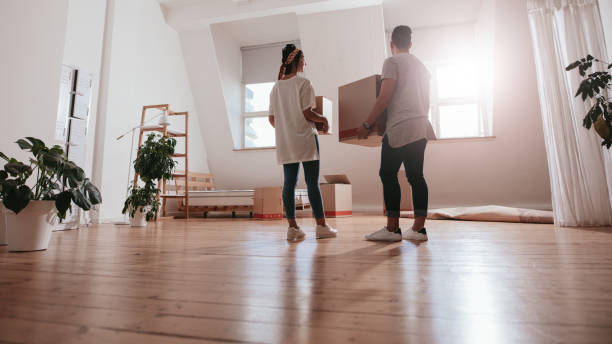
pixel 170 133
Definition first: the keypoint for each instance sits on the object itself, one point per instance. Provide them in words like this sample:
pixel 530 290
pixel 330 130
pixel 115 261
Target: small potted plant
pixel 58 183
pixel 153 163
pixel 141 205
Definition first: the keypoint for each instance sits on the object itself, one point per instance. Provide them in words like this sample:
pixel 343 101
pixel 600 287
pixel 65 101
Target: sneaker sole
pixel 415 239
pixel 326 236
pixel 380 240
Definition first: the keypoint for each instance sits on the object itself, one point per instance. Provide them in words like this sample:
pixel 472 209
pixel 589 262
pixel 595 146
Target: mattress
pixel 218 198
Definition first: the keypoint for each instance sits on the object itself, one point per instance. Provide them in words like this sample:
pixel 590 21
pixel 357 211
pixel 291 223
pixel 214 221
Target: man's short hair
pixel 402 36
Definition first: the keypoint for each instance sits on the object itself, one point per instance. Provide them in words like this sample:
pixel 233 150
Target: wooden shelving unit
pixel 174 134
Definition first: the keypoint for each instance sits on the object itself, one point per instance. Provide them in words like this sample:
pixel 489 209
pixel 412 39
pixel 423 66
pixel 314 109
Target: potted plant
pixel 153 163
pixel 3 241
pixel 141 205
pixel 596 86
pixel 57 183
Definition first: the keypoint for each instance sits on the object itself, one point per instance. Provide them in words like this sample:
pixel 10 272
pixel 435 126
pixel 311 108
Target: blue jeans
pixel 311 174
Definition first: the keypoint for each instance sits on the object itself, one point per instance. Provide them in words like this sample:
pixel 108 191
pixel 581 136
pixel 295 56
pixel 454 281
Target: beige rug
pixel 488 213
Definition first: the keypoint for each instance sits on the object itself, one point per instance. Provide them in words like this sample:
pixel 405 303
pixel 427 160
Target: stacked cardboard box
pixel 337 196
pixel 355 101
pixel 268 203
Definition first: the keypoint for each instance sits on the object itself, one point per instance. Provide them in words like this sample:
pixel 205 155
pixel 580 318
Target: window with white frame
pixel 457 108
pixel 257 130
pixel 259 70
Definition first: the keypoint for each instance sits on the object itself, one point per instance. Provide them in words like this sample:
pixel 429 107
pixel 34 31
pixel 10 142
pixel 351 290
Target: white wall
pixel 344 46
pixel 146 68
pixel 32 36
pixel 605 8
pixel 229 60
pixel 83 50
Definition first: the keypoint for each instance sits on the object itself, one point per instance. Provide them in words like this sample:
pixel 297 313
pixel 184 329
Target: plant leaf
pixel 79 199
pixel 17 198
pixel 15 168
pixel 572 66
pixel 92 192
pixel 23 144
pixel 52 159
pixel 62 203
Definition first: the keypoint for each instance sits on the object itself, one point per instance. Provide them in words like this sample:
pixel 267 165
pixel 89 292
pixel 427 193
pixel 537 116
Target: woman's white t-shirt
pixel 295 136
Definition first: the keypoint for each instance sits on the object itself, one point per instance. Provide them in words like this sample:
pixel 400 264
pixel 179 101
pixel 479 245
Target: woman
pixel 291 102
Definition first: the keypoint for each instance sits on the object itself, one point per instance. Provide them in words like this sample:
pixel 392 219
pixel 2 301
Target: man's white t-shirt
pixel 295 136
pixel 407 112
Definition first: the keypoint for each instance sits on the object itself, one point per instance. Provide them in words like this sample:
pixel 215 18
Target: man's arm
pixel 384 97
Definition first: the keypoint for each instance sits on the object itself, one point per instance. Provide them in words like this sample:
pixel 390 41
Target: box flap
pixel 337 179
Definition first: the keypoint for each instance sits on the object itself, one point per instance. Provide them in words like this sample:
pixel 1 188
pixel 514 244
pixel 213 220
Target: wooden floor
pixel 239 281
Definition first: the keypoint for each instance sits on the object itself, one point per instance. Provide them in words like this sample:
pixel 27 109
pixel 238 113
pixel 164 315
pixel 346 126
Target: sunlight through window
pixel 257 97
pixel 258 132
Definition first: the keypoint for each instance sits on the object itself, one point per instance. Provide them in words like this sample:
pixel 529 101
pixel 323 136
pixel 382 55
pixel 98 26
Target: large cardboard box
pixel 337 196
pixel 355 101
pixel 268 203
pixel 324 107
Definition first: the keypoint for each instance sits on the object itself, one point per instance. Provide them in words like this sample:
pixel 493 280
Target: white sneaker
pixel 384 235
pixel 295 234
pixel 326 232
pixel 421 235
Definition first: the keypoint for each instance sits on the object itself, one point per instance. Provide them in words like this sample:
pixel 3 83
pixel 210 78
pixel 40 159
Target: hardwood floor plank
pixel 238 280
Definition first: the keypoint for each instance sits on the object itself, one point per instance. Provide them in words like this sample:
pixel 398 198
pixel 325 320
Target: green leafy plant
pixel 143 199
pixel 154 158
pixel 56 179
pixel 153 163
pixel 596 86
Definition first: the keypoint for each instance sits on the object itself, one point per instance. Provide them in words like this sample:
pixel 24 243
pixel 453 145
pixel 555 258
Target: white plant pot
pixel 139 219
pixel 3 239
pixel 30 230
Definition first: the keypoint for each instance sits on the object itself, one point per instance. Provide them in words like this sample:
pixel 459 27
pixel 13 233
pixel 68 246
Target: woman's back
pixel 295 136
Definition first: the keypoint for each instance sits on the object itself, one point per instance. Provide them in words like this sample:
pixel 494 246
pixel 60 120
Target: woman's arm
pixel 313 116
pixel 271 119
pixel 317 118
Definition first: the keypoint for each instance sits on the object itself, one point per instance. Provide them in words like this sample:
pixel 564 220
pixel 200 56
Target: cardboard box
pixel 324 107
pixel 355 101
pixel 337 196
pixel 268 203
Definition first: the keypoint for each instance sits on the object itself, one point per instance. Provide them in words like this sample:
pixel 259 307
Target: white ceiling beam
pixel 197 16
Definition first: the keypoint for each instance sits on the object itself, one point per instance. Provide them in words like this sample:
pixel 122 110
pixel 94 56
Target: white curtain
pixel 580 168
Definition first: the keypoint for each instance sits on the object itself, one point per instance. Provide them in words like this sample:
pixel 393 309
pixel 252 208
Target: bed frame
pixel 204 198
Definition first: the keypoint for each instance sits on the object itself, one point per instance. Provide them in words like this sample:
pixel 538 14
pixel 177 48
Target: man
pixel 404 93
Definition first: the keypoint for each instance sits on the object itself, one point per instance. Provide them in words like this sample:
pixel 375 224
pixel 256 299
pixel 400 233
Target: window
pixel 257 131
pixel 457 110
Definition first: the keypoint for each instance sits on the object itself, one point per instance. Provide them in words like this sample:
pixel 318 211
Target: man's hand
pixel 363 133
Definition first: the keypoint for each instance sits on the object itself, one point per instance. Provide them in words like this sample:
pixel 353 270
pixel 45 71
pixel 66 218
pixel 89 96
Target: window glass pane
pixel 258 132
pixel 257 97
pixel 459 121
pixel 456 80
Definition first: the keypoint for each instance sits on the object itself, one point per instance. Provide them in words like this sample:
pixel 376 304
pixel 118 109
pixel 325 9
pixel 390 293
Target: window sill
pixel 254 149
pixel 464 139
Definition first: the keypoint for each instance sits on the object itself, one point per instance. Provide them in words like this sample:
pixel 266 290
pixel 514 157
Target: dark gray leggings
pixel 412 156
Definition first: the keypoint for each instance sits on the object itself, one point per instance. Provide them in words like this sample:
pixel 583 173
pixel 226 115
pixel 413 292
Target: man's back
pixel 410 100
